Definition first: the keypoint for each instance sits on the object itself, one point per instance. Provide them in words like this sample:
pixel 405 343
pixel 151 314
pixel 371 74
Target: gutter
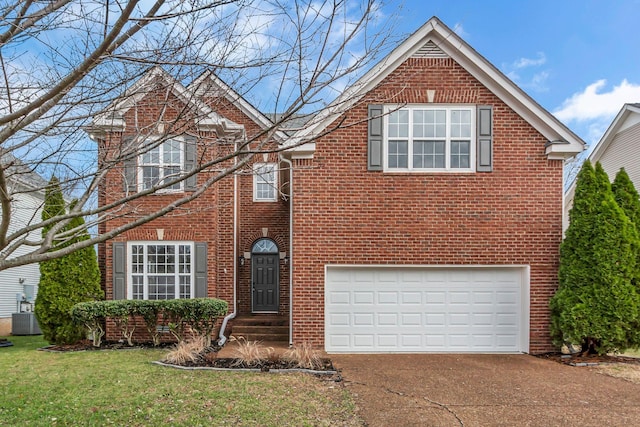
pixel 221 338
pixel 290 248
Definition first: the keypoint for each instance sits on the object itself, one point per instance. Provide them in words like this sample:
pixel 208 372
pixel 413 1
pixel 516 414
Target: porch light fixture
pixel 241 260
pixel 286 259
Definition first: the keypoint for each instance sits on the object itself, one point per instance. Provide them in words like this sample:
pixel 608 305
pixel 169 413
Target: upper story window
pixel 433 138
pixel 265 182
pixel 160 270
pixel 163 162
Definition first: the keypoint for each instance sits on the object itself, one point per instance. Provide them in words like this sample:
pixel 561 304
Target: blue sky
pixel 579 59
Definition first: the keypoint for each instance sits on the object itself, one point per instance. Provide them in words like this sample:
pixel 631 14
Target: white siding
pixel 623 152
pixel 26 208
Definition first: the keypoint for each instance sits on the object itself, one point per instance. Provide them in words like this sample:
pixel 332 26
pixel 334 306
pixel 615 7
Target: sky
pixel 580 60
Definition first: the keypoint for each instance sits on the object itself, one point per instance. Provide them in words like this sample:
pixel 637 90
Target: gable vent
pixel 430 50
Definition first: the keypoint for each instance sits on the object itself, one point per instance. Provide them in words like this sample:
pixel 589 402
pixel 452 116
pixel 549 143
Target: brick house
pixel 429 220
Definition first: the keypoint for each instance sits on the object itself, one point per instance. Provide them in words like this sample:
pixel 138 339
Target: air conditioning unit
pixel 24 324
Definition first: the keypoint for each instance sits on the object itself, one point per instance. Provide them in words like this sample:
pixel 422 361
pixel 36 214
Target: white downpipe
pixel 221 338
pixel 290 249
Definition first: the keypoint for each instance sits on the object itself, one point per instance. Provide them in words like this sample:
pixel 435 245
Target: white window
pixel 265 182
pixel 433 138
pixel 163 162
pixel 160 270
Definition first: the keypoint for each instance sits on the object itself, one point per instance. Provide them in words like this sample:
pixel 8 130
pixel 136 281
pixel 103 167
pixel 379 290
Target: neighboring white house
pixel 27 193
pixel 618 148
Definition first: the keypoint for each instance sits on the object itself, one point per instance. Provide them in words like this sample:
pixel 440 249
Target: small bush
pixel 199 314
pixel 304 356
pixel 90 315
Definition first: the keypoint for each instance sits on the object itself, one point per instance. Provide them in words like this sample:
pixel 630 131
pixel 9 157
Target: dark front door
pixel 265 281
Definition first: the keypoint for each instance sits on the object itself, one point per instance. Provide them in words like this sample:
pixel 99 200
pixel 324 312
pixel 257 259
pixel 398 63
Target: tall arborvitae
pixel 626 196
pixel 67 280
pixel 628 199
pixel 596 304
pixel 47 309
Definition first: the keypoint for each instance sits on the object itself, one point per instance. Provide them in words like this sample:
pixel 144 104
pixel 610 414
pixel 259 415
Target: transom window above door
pixel 264 246
pixel 438 138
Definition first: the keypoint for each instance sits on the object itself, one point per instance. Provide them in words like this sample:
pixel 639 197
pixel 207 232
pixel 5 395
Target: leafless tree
pixel 66 63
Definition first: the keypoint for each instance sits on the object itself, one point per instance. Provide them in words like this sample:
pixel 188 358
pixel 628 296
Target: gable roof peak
pixel 563 143
pixel 112 117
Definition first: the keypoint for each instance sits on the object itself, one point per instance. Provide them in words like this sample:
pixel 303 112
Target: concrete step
pixel 262 320
pixel 263 337
pixel 261 327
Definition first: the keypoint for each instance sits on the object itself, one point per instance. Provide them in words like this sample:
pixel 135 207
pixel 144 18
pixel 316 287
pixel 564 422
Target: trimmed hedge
pixel 199 314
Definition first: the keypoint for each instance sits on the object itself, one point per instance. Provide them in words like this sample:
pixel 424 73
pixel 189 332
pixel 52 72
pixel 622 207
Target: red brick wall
pixel 253 217
pixel 209 218
pixel 344 214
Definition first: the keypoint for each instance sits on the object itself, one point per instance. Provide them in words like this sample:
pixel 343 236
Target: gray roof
pixel 18 171
pixel 294 122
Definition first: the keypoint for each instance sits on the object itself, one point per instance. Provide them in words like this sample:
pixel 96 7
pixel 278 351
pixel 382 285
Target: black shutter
pixel 130 175
pixel 484 150
pixel 375 137
pixel 119 270
pixel 191 183
pixel 200 269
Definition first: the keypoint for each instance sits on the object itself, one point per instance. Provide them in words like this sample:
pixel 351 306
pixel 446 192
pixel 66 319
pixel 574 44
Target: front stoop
pixel 261 327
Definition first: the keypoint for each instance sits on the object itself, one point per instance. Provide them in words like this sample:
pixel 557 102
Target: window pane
pixel 398 156
pixel 150 176
pixel 162 287
pixel 428 154
pixel 170 173
pixel 460 154
pixel 151 157
pixel 398 124
pixel 435 124
pixel 419 128
pixel 184 259
pixel 166 269
pixel 185 287
pixel 265 182
pixel 460 124
pixel 171 152
pixel 264 246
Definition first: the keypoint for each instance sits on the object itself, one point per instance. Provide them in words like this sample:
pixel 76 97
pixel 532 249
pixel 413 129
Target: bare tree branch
pixel 73 69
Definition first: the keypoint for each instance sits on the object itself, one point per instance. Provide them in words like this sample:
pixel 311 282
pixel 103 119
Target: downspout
pixel 290 248
pixel 221 338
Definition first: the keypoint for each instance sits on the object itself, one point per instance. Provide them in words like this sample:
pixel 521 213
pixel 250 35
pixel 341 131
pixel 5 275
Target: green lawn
pixel 124 388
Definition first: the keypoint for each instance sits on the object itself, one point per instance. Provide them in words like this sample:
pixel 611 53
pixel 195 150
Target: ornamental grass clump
pixel 251 353
pixel 190 351
pixel 304 356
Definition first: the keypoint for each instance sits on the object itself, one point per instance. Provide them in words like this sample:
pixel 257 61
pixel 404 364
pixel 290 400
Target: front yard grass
pixel 122 388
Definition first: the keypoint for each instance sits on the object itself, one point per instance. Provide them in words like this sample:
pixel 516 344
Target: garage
pixel 454 309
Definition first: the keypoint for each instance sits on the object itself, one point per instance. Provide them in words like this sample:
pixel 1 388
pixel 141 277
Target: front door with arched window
pixel 265 276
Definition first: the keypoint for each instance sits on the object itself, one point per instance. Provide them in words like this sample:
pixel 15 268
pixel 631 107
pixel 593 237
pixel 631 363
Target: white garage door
pixel 426 309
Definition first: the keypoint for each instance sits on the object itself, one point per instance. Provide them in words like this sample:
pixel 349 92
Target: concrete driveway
pixel 484 390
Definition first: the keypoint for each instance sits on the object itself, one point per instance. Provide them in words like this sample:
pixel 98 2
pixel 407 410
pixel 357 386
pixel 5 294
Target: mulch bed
pixel 589 360
pixel 208 360
pixel 86 345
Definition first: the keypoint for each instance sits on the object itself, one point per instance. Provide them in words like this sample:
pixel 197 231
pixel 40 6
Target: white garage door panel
pixel 396 309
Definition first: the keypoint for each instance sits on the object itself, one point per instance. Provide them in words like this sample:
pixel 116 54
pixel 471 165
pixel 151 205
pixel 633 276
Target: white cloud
pixel 529 62
pixel 527 74
pixel 459 30
pixel 592 105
